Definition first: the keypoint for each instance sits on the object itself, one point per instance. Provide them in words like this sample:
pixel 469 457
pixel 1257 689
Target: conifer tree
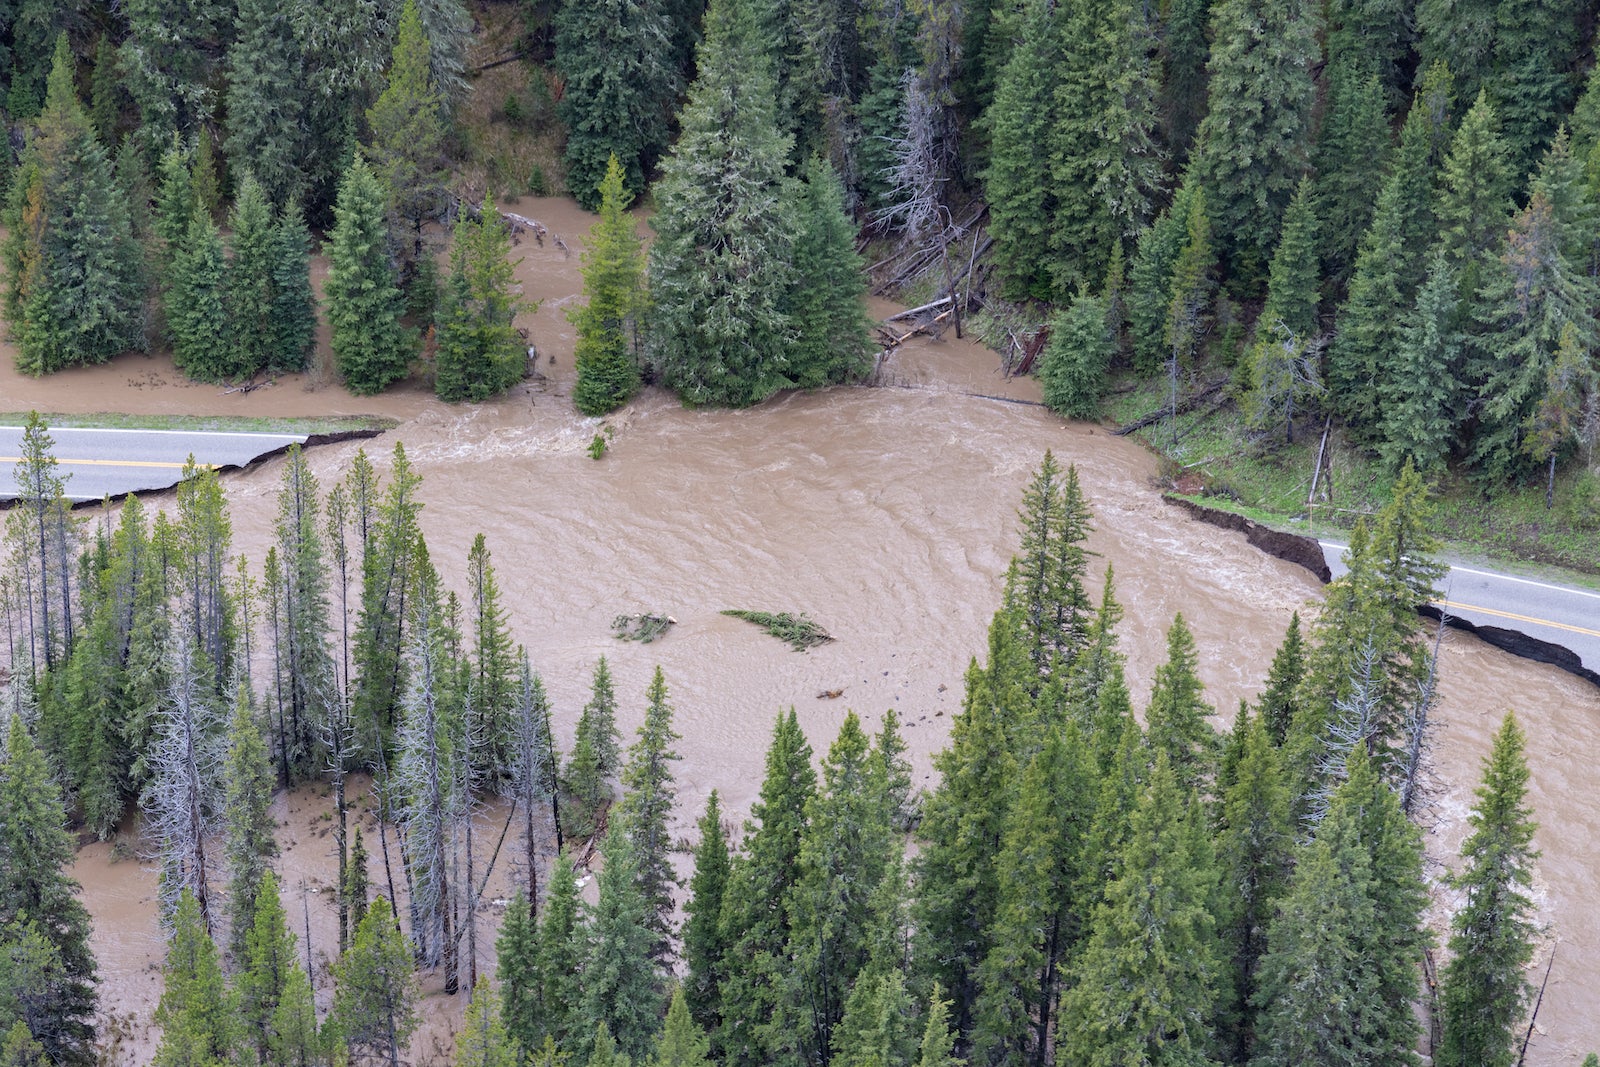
pixel 756 916
pixel 483 1041
pixel 1484 991
pixel 1254 143
pixel 294 306
pixel 375 988
pixel 1535 46
pixel 621 90
pixel 267 101
pixel 1315 991
pixel 1045 588
pixel 844 856
pixel 720 269
pixel 826 306
pixel 1350 156
pixel 1147 980
pixel 1072 372
pixel 249 845
pixel 196 1013
pixel 962 833
pixel 1254 853
pixel 646 810
pixel 608 324
pixel 248 281
pixel 1421 399
pixel 196 306
pixel 370 346
pixel 938 1042
pixel 1474 195
pixel 560 959
pixel 479 351
pixel 1188 299
pixel 1460 34
pixel 1104 167
pixel 705 946
pixel 168 68
pixel 38 898
pixel 1177 713
pixel 517 970
pixel 1150 280
pixel 1277 706
pixel 682 1042
pixel 1282 374
pixel 302 645
pixel 1017 185
pixel 353 893
pixel 491 690
pixel 74 290
pixel 407 150
pixel 621 989
pixel 1043 882
pixel 877 1027
pixel 586 790
pixel 264 964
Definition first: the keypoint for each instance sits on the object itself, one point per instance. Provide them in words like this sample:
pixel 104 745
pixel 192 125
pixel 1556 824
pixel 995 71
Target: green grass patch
pixel 799 631
pixel 207 423
pixel 1209 458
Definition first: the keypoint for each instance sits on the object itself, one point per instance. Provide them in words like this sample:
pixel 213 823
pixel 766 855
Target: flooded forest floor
pixel 886 514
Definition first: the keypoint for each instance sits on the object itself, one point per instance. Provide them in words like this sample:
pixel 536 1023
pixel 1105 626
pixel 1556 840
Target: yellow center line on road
pixel 1520 618
pixel 111 463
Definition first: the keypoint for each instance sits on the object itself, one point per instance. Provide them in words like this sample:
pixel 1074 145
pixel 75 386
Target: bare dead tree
pixel 1417 728
pixel 914 204
pixel 180 800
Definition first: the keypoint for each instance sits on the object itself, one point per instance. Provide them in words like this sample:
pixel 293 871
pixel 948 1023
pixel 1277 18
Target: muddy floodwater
pixel 887 515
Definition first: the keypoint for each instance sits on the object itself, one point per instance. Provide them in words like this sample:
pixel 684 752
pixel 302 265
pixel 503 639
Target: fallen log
pixel 1186 405
pixel 906 314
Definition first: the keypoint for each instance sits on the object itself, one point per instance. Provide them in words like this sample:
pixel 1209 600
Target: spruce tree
pixel 483 1041
pixel 826 307
pixel 196 1013
pixel 480 353
pixel 1349 159
pixel 1188 299
pixel 36 895
pixel 609 321
pixel 647 809
pixel 267 101
pixel 597 722
pixel 1535 47
pixel 756 915
pixel 720 270
pixel 263 966
pixel 1150 280
pixel 1484 991
pixel 621 990
pixel 517 970
pixel 407 148
pixel 370 347
pixel 1017 185
pixel 1315 992
pixel 561 959
pixel 705 946
pixel 249 845
pixel 1072 372
pixel 621 90
pixel 74 285
pixel 1045 588
pixel 1422 398
pixel 375 988
pixel 1277 706
pixel 1177 713
pixel 1474 196
pixel 1282 372
pixel 174 202
pixel 294 305
pixel 1148 979
pixel 1255 855
pixel 682 1042
pixel 844 857
pixel 248 280
pixel 196 306
pixel 1254 143
pixel 1043 885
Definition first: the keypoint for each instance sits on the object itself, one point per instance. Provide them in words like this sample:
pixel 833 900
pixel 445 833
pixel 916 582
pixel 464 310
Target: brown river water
pixel 886 514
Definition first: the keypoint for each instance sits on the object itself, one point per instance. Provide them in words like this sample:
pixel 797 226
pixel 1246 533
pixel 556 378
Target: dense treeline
pixel 1375 210
pixel 1089 886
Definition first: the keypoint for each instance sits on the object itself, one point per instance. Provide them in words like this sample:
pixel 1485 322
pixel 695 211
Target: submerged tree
pixel 608 322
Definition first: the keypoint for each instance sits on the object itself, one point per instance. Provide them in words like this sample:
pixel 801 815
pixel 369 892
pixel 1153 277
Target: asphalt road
pixel 123 461
pixel 1555 613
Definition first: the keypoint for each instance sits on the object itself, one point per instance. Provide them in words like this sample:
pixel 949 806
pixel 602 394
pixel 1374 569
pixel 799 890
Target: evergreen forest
pixel 1084 883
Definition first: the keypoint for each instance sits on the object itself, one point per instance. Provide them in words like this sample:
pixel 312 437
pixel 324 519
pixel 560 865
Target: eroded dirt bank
pixel 888 516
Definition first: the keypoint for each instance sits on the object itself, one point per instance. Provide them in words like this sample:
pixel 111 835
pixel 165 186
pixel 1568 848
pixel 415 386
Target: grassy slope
pixel 1212 461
